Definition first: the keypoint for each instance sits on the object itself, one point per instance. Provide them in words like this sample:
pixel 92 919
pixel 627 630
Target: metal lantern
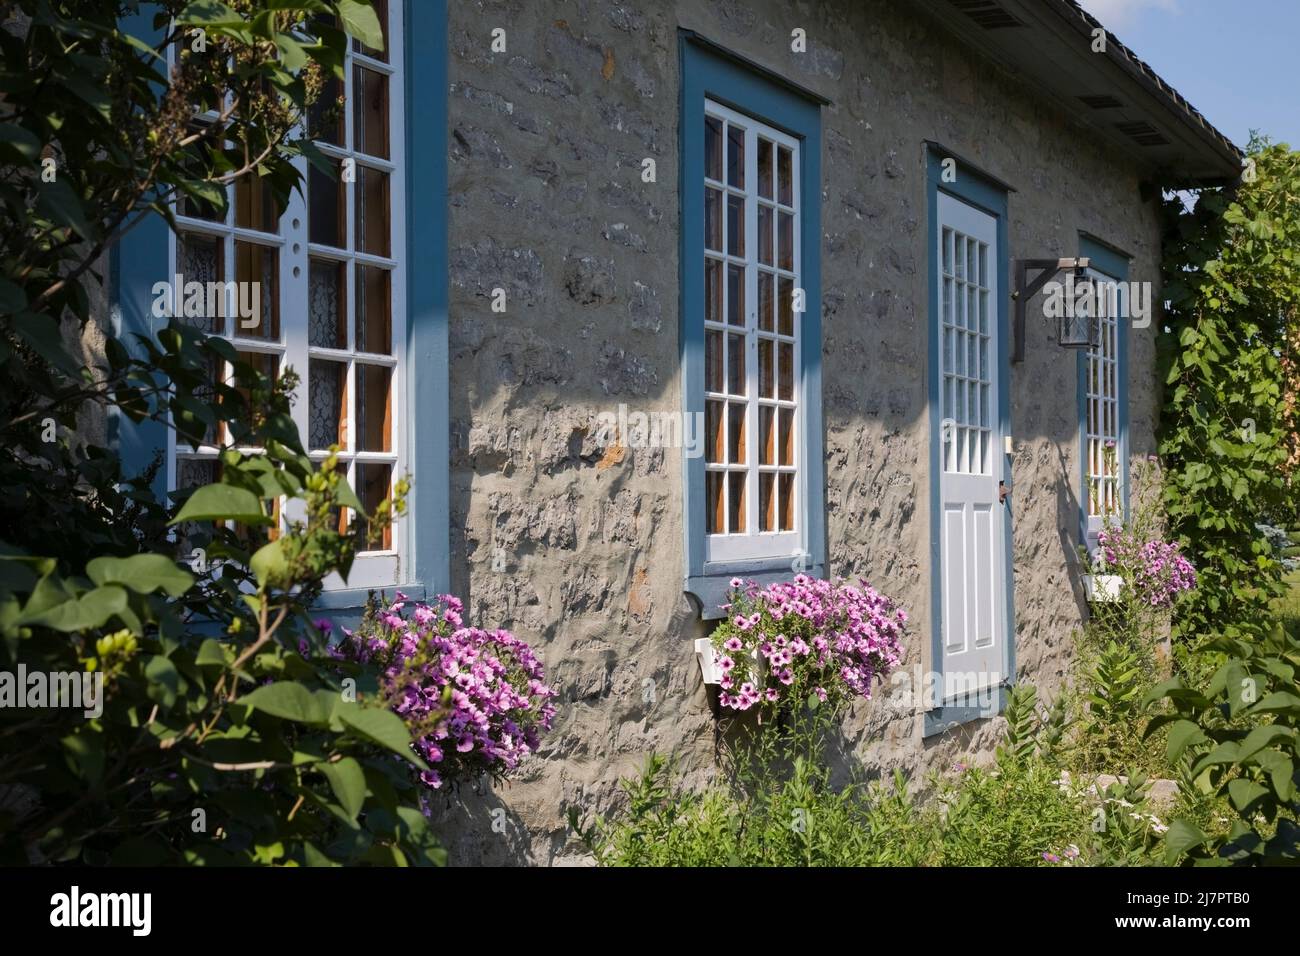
pixel 1078 331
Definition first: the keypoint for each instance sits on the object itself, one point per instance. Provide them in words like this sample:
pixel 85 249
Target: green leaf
pixel 164 680
pixel 269 564
pixel 359 20
pixel 209 13
pixel 210 654
pixel 62 206
pixel 1183 734
pixel 142 573
pixel 42 334
pixel 1277 702
pixel 221 502
pixel 348 782
pixel 19 143
pixel 382 727
pixel 1245 792
pixel 1261 737
pixel 290 700
pixel 90 610
pixel 1182 837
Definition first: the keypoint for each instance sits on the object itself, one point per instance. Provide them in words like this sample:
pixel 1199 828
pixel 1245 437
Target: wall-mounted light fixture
pixel 1076 331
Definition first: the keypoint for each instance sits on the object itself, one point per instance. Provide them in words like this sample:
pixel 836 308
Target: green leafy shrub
pixel 781 807
pixel 224 732
pixel 1232 279
pixel 1239 737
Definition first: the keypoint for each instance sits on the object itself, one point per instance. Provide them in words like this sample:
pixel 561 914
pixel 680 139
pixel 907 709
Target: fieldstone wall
pixel 577 547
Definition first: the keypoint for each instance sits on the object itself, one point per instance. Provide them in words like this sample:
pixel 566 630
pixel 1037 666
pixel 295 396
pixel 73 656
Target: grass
pixel 1288 606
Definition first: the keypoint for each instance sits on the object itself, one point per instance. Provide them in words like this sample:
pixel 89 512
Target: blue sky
pixel 1237 61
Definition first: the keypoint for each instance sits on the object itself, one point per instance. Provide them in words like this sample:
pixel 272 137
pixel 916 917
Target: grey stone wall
pixel 578 548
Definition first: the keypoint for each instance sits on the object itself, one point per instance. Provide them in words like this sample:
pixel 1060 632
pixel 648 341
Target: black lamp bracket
pixel 1026 290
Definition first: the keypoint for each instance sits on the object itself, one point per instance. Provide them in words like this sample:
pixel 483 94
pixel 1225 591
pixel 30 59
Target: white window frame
pixel 370 569
pixel 752 544
pixel 1099 426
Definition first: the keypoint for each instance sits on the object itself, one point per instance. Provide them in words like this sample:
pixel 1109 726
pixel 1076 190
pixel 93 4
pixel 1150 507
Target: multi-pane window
pixel 752 296
pixel 331 283
pixel 1101 395
pixel 967 376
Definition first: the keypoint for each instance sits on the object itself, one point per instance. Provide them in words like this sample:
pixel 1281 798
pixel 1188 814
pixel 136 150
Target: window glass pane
pixel 736 295
pixel 714 444
pixel 257 272
pixel 765 377
pixel 736 433
pixel 787 436
pixel 712 290
pixel 713 361
pixel 374 408
pixel 374 331
pixel 713 219
pixel 766 502
pixel 735 157
pixel 369 112
pixel 785 374
pixel 765 301
pixel 766 435
pixel 785 306
pixel 787 502
pixel 327 398
pixel 263 363
pixel 371 213
pixel 713 501
pixel 381 11
pixel 325 213
pixel 765 234
pixel 326 304
pixel 255 205
pixel 784 176
pixel 713 148
pixel 787 241
pixel 373 484
pixel 735 226
pixel 200 259
pixel 325 116
pixel 736 364
pixel 765 168
pixel 736 502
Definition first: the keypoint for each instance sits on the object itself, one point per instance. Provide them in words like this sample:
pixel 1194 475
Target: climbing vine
pixel 1232 288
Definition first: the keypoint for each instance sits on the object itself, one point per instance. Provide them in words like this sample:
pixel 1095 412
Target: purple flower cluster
pixel 1155 570
pixel 797 639
pixel 476 700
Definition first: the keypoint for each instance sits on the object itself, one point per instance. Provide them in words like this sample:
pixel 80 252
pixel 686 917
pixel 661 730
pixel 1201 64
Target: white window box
pixel 1102 588
pixel 708 655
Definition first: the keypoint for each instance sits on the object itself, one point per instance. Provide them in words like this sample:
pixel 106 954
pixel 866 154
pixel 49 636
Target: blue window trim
pixel 991 196
pixel 140 259
pixel 709 72
pixel 1114 263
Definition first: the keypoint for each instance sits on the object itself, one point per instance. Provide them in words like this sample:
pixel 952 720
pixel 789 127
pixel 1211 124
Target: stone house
pixel 647 296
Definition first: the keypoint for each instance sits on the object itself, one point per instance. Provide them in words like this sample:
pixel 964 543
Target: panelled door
pixel 972 538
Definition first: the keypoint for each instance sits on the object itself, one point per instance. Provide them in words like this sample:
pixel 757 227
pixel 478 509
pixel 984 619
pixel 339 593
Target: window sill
pixel 354 599
pixel 949 717
pixel 712 588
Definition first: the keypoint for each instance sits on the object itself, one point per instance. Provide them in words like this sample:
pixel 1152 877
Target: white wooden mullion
pixel 751 330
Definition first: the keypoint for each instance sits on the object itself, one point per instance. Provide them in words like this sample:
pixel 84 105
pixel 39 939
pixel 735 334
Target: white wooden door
pixel 972 540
